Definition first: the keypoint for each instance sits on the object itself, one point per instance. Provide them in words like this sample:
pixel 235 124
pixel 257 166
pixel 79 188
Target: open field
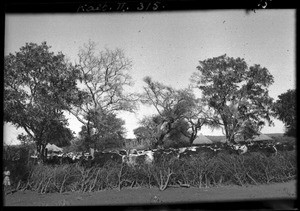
pixel 152 196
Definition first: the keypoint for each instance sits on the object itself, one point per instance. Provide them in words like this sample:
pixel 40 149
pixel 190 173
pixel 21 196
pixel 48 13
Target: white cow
pixel 133 155
pixel 242 149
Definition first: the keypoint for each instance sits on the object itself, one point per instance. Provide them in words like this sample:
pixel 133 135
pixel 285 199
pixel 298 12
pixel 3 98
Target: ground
pixel 153 196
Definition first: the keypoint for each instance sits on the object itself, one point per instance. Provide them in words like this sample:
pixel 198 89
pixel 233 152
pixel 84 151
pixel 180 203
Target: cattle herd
pixel 134 157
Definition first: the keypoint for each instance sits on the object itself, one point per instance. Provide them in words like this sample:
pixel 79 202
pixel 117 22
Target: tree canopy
pixel 285 110
pixel 180 113
pixel 238 94
pixel 38 86
pixel 148 129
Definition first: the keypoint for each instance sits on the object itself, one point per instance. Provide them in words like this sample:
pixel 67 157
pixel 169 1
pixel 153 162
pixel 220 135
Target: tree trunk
pixel 38 148
pixel 160 141
pixel 43 152
pixel 226 133
pixel 193 135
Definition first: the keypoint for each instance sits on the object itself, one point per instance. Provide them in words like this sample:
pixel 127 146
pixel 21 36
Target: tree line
pixel 41 86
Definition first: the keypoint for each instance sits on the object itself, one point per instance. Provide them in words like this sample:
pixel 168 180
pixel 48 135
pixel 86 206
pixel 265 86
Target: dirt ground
pixel 153 196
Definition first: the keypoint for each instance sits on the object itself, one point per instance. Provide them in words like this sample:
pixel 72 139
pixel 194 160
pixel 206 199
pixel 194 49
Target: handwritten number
pixel 120 6
pixel 155 6
pixel 80 9
pixel 142 6
pixel 148 6
pixel 104 7
pixel 264 6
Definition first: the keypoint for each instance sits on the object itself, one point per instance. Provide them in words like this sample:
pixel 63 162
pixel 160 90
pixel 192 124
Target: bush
pixel 198 171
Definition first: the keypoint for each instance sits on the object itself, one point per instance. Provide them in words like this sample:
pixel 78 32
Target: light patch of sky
pixel 167 46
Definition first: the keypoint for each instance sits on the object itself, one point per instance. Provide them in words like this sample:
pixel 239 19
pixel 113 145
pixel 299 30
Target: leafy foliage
pixel 238 94
pixel 149 129
pixel 170 104
pixel 38 86
pixel 59 134
pixel 142 133
pixel 285 110
pixel 180 113
pixel 109 134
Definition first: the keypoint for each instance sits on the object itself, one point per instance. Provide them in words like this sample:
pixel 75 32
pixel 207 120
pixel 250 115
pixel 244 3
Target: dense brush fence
pixel 197 171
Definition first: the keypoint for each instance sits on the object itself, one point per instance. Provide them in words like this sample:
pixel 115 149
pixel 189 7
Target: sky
pixel 166 46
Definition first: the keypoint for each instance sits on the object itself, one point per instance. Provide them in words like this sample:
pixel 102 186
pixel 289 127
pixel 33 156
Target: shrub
pixel 198 171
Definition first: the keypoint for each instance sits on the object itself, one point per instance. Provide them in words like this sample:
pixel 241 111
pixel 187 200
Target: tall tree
pixel 38 86
pixel 104 76
pixel 178 110
pixel 285 110
pixel 238 94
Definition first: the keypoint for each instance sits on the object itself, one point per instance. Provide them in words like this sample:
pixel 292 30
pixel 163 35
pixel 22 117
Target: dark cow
pixel 53 158
pixel 69 158
pixel 34 159
pixel 187 152
pixel 263 147
pixel 100 158
pixel 162 155
pixel 222 148
pixel 253 147
pixel 122 152
pixel 285 146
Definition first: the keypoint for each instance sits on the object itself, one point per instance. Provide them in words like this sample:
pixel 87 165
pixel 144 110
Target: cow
pixel 241 149
pixel 254 147
pixel 188 152
pixel 262 147
pixel 34 159
pixel 268 149
pixel 230 148
pixel 284 146
pixel 161 155
pixel 101 158
pixel 52 159
pixel 135 157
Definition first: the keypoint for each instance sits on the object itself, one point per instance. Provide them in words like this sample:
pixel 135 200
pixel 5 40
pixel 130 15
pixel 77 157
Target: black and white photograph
pixel 149 108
